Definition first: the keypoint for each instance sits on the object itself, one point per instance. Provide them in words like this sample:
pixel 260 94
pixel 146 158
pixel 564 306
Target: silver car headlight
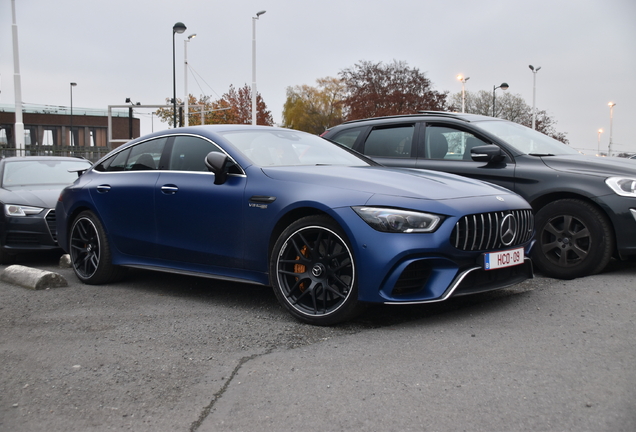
pixel 623 186
pixel 20 210
pixel 398 221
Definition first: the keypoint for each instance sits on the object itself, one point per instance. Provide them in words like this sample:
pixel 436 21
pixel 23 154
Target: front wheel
pixel 312 270
pixel 574 239
pixel 90 251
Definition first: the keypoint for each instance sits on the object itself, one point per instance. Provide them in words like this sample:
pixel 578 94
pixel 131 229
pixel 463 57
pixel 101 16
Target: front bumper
pixel 622 212
pixel 29 233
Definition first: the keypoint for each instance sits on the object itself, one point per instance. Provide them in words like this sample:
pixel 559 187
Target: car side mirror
pixel 487 153
pixel 216 162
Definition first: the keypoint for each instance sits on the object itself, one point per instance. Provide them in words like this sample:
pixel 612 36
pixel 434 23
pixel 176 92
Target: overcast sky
pixel 123 48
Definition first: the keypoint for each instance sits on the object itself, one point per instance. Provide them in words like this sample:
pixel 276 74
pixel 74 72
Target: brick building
pixel 47 131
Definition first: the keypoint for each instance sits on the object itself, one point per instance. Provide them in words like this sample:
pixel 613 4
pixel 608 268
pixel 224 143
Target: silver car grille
pixel 496 230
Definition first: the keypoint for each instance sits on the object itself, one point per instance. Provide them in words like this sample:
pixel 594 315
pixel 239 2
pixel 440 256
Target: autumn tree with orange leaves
pixel 234 107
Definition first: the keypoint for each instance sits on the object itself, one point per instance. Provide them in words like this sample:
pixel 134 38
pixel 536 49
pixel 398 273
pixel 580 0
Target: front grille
pixel 52 224
pixel 22 239
pixel 486 280
pixel 484 231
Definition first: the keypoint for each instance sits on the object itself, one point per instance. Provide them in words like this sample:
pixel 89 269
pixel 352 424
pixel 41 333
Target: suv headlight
pixel 623 186
pixel 398 221
pixel 20 210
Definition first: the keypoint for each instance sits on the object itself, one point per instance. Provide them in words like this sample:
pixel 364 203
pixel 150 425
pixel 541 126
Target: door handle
pixel 169 189
pixel 103 188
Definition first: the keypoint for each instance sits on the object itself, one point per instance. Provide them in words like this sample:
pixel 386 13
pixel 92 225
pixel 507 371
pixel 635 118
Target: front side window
pixel 391 142
pixel 189 152
pixel 443 142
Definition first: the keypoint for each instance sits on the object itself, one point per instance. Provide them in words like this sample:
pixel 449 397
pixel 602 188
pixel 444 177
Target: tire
pixel 574 239
pixel 313 273
pixel 90 251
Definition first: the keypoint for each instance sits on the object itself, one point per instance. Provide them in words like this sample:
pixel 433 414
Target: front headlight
pixel 623 186
pixel 398 221
pixel 20 210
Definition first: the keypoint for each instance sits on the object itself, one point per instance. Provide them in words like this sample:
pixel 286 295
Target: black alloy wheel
pixel 313 272
pixel 90 252
pixel 574 239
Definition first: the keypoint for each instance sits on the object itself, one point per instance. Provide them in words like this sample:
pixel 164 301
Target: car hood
pixel 402 182
pixel 46 197
pixel 600 166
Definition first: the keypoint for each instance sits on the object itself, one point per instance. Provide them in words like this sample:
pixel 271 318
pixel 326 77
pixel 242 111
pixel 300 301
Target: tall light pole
pixel 463 81
pixel 18 130
pixel 503 86
pixel 179 27
pixel 609 147
pixel 72 85
pixel 258 14
pixel 600 131
pixel 185 79
pixel 534 94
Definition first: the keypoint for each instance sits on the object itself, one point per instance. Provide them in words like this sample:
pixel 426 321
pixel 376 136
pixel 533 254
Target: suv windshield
pixel 525 140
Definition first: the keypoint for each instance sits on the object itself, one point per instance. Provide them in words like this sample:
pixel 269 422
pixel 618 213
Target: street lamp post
pixel 600 131
pixel 130 117
pixel 534 94
pixel 72 85
pixel 609 147
pixel 17 87
pixel 463 81
pixel 258 14
pixel 179 27
pixel 185 79
pixel 503 86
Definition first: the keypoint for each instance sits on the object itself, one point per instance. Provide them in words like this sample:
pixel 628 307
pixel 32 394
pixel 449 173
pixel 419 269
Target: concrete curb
pixel 31 278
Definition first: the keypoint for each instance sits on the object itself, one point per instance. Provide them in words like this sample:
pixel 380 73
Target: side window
pixel 348 138
pixel 145 156
pixel 393 142
pixel 115 163
pixel 448 143
pixel 189 152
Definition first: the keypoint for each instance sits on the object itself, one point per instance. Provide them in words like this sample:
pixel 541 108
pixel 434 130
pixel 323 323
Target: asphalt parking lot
pixel 166 352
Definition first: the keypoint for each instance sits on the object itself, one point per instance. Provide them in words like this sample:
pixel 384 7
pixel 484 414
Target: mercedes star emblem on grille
pixel 508 229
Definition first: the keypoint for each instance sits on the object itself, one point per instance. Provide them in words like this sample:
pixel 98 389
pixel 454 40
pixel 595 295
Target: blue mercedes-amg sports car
pixel 328 229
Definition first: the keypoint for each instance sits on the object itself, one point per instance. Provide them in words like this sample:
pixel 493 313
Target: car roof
pixel 427 115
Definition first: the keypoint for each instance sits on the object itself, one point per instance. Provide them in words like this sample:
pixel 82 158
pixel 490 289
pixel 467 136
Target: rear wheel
pixel 90 251
pixel 574 239
pixel 312 270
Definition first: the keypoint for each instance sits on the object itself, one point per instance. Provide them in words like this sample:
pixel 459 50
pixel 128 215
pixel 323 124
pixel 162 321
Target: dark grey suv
pixel 585 206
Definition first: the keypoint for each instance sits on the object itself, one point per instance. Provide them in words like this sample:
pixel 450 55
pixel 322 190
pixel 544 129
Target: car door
pixel 124 197
pixel 446 147
pixel 197 221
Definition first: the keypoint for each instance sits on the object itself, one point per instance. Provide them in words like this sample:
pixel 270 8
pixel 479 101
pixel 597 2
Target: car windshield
pixel 286 147
pixel 41 172
pixel 526 140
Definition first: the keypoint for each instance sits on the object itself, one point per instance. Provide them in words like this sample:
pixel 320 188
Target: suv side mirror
pixel 487 153
pixel 216 162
